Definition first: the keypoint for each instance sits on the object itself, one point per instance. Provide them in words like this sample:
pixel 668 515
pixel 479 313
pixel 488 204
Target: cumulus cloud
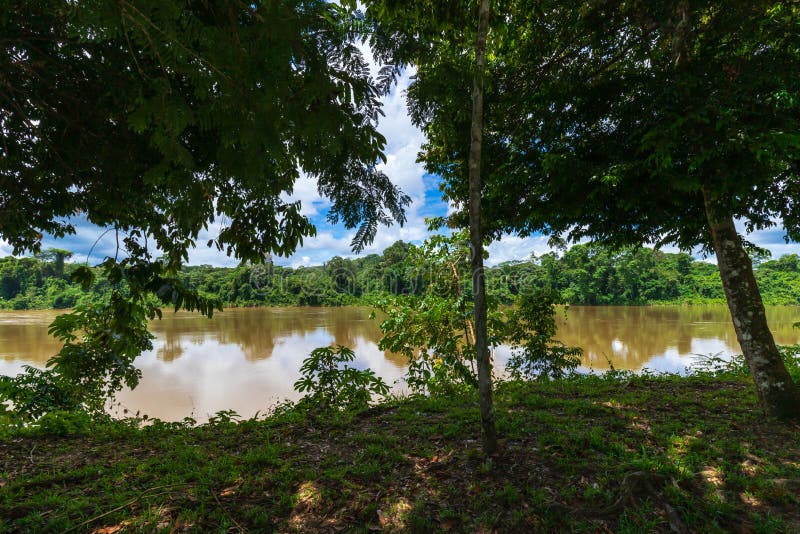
pixel 772 239
pixel 311 203
pixel 511 247
pixel 5 248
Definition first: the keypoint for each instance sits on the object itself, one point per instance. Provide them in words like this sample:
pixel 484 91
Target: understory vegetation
pixel 583 274
pixel 622 451
pixel 619 453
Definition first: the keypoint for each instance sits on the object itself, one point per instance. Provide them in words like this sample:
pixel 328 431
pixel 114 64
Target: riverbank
pixel 627 454
pixel 369 301
pixel 6 306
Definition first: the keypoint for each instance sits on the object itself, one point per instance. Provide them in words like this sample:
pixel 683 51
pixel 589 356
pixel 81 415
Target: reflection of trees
pixel 172 349
pixel 256 330
pixel 642 332
pixel 23 336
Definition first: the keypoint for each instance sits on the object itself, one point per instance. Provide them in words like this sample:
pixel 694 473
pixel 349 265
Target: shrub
pixel 33 393
pixel 530 328
pixel 331 384
pixel 715 365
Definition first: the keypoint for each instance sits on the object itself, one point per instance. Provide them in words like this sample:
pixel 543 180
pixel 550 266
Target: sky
pixel 404 141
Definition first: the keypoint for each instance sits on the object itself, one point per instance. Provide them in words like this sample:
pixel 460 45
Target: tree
pixel 435 328
pixel 431 36
pixel 395 278
pixel 342 273
pixel 666 123
pixel 57 256
pixel 476 236
pixel 166 117
pixel 155 119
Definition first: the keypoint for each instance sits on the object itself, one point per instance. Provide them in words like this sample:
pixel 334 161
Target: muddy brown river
pixel 246 360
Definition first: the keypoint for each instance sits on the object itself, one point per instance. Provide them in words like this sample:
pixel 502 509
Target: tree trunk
pixel 776 391
pixel 476 237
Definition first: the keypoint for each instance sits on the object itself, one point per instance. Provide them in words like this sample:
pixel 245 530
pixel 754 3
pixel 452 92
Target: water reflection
pixel 258 331
pixel 23 336
pixel 663 338
pixel 248 359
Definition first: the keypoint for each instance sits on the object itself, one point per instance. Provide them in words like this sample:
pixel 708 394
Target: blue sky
pixel 404 142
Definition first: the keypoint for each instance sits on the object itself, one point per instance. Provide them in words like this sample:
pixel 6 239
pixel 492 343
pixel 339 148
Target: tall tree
pixel 663 122
pixel 57 256
pixel 432 37
pixel 483 355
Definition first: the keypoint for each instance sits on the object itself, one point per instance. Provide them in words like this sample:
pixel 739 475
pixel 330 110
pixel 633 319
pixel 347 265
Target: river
pixel 246 360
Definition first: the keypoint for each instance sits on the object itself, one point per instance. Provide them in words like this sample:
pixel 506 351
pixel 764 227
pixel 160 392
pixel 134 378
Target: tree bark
pixel 476 237
pixel 774 386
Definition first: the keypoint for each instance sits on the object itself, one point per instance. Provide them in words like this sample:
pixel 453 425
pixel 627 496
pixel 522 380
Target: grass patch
pixel 586 455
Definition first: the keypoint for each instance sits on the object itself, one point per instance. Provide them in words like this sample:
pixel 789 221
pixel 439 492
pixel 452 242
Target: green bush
pixel 714 365
pixel 34 393
pixel 61 423
pixel 530 328
pixel 331 384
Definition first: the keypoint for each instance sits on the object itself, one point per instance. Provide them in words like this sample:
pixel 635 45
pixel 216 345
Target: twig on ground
pixel 240 527
pixel 146 493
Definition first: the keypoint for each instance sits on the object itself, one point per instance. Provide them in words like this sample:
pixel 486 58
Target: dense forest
pixel 583 274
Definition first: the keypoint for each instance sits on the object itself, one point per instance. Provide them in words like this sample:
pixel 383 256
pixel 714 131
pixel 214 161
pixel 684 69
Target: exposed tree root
pixel 640 486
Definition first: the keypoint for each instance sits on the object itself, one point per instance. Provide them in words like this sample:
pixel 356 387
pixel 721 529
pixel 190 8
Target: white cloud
pixel 5 248
pixel 203 255
pixel 305 190
pixel 396 125
pixel 513 247
pixel 772 239
pixel 405 172
pixel 404 141
pixel 89 243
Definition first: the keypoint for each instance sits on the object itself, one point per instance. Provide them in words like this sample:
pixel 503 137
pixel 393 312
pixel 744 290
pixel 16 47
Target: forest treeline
pixel 583 274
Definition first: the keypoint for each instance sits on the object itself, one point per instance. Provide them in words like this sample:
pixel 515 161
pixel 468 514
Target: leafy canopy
pixel 606 120
pixel 168 116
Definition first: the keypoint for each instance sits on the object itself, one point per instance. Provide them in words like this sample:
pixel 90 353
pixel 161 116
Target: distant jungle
pixel 583 274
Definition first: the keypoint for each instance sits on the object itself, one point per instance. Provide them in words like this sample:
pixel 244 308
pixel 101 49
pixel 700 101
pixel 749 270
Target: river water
pixel 246 360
